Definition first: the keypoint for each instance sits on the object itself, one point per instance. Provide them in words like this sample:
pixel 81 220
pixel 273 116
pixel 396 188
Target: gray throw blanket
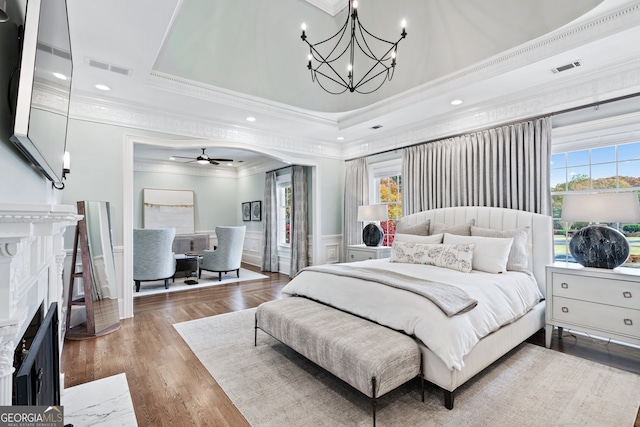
pixel 449 299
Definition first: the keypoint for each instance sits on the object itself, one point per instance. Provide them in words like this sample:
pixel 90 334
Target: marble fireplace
pixel 31 265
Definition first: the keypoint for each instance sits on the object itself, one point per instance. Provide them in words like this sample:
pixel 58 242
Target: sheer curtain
pixel 299 220
pixel 270 225
pixel 502 167
pixel 356 193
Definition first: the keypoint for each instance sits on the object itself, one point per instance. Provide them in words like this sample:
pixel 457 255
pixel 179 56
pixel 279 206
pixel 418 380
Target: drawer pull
pixel 564 285
pixel 628 322
pixel 626 294
pixel 565 310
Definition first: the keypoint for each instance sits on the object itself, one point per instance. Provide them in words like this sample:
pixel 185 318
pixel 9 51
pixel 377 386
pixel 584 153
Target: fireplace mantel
pixel 31 263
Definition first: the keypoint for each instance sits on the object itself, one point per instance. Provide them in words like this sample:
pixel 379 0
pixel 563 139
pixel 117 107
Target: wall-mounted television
pixel 44 86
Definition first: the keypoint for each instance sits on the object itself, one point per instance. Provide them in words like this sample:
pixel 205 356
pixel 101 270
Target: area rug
pixel 272 385
pixel 208 279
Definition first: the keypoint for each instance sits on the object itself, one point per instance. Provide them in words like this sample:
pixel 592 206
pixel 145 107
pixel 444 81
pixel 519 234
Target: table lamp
pixel 599 245
pixel 372 234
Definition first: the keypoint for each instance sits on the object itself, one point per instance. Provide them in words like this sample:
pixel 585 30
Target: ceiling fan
pixel 203 159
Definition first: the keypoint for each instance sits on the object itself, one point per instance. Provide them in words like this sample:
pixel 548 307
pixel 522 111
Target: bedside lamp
pixel 372 234
pixel 598 245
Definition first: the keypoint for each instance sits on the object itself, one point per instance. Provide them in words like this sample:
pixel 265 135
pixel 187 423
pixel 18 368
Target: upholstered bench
pixel 369 357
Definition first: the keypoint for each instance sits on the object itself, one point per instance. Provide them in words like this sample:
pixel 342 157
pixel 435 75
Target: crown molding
pixel 147 118
pixel 568 37
pixel 241 100
pixel 332 7
pixel 571 91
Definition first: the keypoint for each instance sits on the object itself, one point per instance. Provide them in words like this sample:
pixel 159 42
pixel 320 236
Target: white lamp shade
pixel 601 207
pixel 372 213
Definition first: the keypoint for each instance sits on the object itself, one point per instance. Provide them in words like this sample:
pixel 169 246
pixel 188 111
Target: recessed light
pixel 251 119
pixel 60 76
pixel 456 102
pixel 172 158
pixel 229 164
pixel 340 138
pixel 102 87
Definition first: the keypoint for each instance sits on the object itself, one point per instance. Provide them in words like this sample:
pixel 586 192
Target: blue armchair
pixel 228 254
pixel 153 258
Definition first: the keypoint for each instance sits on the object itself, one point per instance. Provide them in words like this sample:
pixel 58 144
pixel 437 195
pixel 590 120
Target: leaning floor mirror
pixel 93 292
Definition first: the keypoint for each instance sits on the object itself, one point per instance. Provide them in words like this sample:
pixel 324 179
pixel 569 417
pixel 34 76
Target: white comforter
pixel 502 298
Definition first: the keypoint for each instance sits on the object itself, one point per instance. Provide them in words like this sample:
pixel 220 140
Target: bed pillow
pixel 412 238
pixel 490 254
pixel 519 253
pixel 455 257
pixel 463 229
pixel 421 229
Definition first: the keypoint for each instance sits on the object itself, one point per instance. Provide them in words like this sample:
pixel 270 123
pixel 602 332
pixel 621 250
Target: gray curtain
pixel 299 222
pixel 270 225
pixel 504 167
pixel 356 193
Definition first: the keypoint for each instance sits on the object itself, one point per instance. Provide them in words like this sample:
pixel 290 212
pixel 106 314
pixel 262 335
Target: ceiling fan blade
pixel 213 162
pixel 222 160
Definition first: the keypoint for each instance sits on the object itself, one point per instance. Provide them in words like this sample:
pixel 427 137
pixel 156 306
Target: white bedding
pixel 502 299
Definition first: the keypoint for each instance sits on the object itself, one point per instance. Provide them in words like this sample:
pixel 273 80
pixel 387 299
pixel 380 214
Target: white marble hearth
pixel 105 402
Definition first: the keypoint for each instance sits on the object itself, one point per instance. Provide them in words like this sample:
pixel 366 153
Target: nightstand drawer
pixel 363 253
pixel 604 291
pixel 602 317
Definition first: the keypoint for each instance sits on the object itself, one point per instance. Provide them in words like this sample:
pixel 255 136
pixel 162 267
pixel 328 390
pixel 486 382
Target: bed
pixel 455 347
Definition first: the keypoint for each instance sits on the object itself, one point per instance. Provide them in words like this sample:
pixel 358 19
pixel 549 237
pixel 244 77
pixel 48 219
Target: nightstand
pixel 597 301
pixel 363 253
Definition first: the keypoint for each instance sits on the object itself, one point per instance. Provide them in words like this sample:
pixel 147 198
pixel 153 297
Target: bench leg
pixel 422 376
pixel 374 401
pixel 448 399
pixel 255 331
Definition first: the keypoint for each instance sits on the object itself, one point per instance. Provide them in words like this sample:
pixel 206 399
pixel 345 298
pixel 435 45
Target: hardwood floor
pixel 170 387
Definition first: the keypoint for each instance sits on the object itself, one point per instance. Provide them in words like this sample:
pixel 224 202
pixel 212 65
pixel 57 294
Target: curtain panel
pixel 356 193
pixel 270 225
pixel 299 220
pixel 504 167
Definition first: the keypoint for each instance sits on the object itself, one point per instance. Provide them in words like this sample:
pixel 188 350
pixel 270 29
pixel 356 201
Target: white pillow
pixel 454 257
pixel 490 253
pixel 401 237
pixel 519 253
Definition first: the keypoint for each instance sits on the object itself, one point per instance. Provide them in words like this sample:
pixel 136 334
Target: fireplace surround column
pixel 31 263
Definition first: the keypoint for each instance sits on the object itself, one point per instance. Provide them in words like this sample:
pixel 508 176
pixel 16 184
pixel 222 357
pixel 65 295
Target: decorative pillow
pixel 421 229
pixel 459 229
pixel 412 238
pixel 519 253
pixel 490 253
pixel 454 257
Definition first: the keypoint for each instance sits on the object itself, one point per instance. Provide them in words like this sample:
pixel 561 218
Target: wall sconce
pixel 599 245
pixel 372 234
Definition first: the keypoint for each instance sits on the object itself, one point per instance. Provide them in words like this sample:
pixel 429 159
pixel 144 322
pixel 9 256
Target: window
pixel 600 169
pixel 284 209
pixel 387 189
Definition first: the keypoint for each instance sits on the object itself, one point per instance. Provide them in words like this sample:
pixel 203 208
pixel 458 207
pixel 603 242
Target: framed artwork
pixel 256 211
pixel 168 208
pixel 246 211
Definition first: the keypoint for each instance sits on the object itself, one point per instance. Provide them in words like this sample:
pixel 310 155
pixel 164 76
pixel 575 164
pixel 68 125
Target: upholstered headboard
pixel 540 236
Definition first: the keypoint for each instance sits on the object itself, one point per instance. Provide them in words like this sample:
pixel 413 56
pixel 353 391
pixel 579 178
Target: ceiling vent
pixel 109 67
pixel 566 67
pixel 54 50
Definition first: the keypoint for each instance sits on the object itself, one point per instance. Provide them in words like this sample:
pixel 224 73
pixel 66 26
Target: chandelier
pixel 323 65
